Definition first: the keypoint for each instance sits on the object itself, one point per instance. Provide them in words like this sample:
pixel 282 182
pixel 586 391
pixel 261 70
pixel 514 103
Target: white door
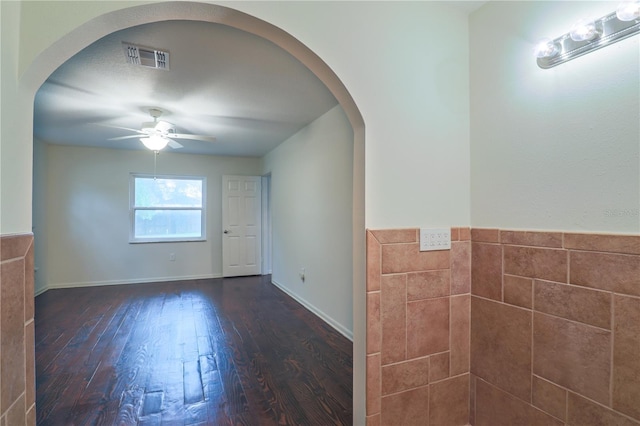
pixel 241 225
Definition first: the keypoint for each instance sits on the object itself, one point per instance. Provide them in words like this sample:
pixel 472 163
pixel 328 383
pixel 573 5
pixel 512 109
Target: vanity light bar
pixel 589 35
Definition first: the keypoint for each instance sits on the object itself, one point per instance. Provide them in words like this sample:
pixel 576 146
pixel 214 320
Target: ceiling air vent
pixel 146 56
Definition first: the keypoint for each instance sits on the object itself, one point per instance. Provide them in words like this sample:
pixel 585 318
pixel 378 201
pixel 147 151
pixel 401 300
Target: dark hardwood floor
pixel 206 352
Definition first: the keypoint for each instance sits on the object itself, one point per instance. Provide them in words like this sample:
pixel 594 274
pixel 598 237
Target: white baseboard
pixel 125 282
pixel 326 318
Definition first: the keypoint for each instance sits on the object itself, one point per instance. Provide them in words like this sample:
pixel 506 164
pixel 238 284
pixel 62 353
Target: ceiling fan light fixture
pixel 154 142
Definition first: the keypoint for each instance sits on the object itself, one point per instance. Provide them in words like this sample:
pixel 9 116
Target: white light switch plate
pixel 435 239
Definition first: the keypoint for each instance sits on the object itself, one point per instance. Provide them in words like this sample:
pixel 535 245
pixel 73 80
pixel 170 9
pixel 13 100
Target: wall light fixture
pixel 587 35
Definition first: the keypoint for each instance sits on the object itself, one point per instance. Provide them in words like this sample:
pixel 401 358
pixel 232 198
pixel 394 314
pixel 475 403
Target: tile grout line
pixel 450 336
pixel 501 274
pixel 411 359
pixel 533 307
pixel 475 398
pixel 568 263
pixel 432 298
pixel 379 366
pixel 450 302
pixel 498 301
pixel 406 318
pixel 610 330
pixel 380 331
pixel 600 404
pixel 448 378
pixel 566 406
pixel 612 353
pixel 619 253
pixel 450 340
pixel 404 390
pixel 532 340
pixel 23 393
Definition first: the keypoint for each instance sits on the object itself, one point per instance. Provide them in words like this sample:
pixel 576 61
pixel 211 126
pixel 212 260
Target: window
pixel 167 208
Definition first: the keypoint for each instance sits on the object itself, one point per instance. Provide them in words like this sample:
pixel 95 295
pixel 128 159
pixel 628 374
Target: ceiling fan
pixel 157 134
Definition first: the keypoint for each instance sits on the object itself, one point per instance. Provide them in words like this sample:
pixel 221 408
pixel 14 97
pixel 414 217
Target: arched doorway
pixel 82 36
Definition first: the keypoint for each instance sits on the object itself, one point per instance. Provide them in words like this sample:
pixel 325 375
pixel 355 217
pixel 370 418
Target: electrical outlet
pixel 435 239
pixel 172 257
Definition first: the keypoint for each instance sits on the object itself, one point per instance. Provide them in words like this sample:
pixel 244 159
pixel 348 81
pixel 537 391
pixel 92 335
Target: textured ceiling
pixel 248 93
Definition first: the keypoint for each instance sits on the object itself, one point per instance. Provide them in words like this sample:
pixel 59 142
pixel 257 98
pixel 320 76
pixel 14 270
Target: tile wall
pixel 17 364
pixel 550 332
pixel 418 311
pixel 555 329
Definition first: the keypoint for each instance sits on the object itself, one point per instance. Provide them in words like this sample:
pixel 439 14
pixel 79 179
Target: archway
pixel 45 63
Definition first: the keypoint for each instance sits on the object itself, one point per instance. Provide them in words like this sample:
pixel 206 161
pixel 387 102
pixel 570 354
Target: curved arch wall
pixel 410 88
pixel 18 391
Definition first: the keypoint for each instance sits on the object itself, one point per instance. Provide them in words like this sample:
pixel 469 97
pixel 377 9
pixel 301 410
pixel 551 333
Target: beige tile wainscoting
pixel 555 328
pixel 553 336
pixel 507 327
pixel 418 310
pixel 17 364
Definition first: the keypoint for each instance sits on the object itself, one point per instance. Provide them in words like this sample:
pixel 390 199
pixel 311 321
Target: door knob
pixel 226 231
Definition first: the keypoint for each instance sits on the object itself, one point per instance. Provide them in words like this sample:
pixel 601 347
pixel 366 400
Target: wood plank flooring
pixel 205 352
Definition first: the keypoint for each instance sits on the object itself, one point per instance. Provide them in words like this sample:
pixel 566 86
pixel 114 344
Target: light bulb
pixel 628 11
pixel 155 142
pixel 584 30
pixel 546 48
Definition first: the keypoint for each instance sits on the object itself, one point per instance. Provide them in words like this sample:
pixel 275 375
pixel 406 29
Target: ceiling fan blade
pixel 173 144
pixel 119 127
pixel 124 137
pixel 163 126
pixel 193 137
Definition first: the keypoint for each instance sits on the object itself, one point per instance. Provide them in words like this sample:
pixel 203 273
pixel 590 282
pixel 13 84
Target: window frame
pixel 132 209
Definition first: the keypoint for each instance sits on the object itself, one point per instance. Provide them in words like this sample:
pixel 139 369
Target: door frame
pixel 267 266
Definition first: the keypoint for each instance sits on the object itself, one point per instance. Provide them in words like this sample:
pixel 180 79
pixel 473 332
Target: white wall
pixel 311 208
pixel 87 222
pixel 16 145
pixel 406 66
pixel 557 148
pixel 410 86
pixel 40 213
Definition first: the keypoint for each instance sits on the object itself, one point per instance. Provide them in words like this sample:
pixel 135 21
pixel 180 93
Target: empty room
pixel 193 204
pixel 233 204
